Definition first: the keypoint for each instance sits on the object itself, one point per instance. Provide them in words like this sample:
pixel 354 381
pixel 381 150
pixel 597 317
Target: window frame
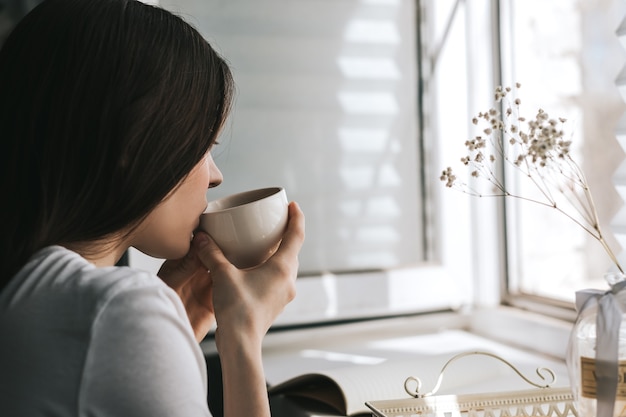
pixel 452 254
pixel 511 296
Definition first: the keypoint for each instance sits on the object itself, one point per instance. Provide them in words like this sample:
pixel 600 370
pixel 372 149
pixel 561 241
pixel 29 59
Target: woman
pixel 109 110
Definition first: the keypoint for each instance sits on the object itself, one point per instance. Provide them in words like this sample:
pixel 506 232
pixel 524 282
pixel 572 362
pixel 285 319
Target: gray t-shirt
pixel 76 340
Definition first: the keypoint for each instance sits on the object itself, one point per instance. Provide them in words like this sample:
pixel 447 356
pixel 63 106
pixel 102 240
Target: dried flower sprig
pixel 537 148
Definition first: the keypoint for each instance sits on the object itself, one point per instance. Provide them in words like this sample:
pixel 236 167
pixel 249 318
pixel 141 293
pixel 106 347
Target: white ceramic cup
pixel 247 226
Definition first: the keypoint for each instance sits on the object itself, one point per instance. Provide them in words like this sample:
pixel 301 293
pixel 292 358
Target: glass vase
pixel 582 355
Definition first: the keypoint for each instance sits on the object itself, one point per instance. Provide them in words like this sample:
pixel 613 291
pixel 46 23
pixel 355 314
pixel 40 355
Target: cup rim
pixel 264 193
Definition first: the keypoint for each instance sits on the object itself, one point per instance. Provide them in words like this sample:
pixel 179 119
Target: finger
pixel 294 235
pixel 209 254
pixel 190 263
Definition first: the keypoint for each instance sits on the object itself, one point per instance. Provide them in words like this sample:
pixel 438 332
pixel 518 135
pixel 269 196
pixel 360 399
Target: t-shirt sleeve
pixel 143 359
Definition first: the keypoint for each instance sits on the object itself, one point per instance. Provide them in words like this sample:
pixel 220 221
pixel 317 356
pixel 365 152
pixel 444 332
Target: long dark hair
pixel 105 106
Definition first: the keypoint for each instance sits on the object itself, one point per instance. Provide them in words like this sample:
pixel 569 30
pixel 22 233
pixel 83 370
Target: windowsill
pixel 528 341
pixel 532 332
pixel 507 325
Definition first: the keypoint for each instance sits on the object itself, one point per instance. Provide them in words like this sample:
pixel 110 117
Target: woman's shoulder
pixel 97 327
pixel 60 290
pixel 55 276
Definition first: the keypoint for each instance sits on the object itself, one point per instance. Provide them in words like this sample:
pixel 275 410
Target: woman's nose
pixel 215 175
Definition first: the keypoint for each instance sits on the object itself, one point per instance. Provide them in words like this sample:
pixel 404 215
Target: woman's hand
pixel 191 280
pixel 246 302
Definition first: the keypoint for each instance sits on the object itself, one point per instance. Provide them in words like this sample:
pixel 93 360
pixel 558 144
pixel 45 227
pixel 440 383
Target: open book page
pixel 347 389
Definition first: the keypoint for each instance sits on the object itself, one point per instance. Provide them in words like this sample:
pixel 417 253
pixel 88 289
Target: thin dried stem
pixel 537 149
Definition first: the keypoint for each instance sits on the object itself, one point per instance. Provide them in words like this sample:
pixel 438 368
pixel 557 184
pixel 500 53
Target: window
pixel 356 106
pixel 567 57
pixel 328 106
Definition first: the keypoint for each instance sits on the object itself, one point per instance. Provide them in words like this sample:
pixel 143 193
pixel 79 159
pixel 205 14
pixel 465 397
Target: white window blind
pixel 327 108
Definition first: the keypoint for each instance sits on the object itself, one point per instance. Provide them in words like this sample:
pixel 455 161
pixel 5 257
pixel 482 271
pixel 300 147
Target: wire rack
pixel 542 401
